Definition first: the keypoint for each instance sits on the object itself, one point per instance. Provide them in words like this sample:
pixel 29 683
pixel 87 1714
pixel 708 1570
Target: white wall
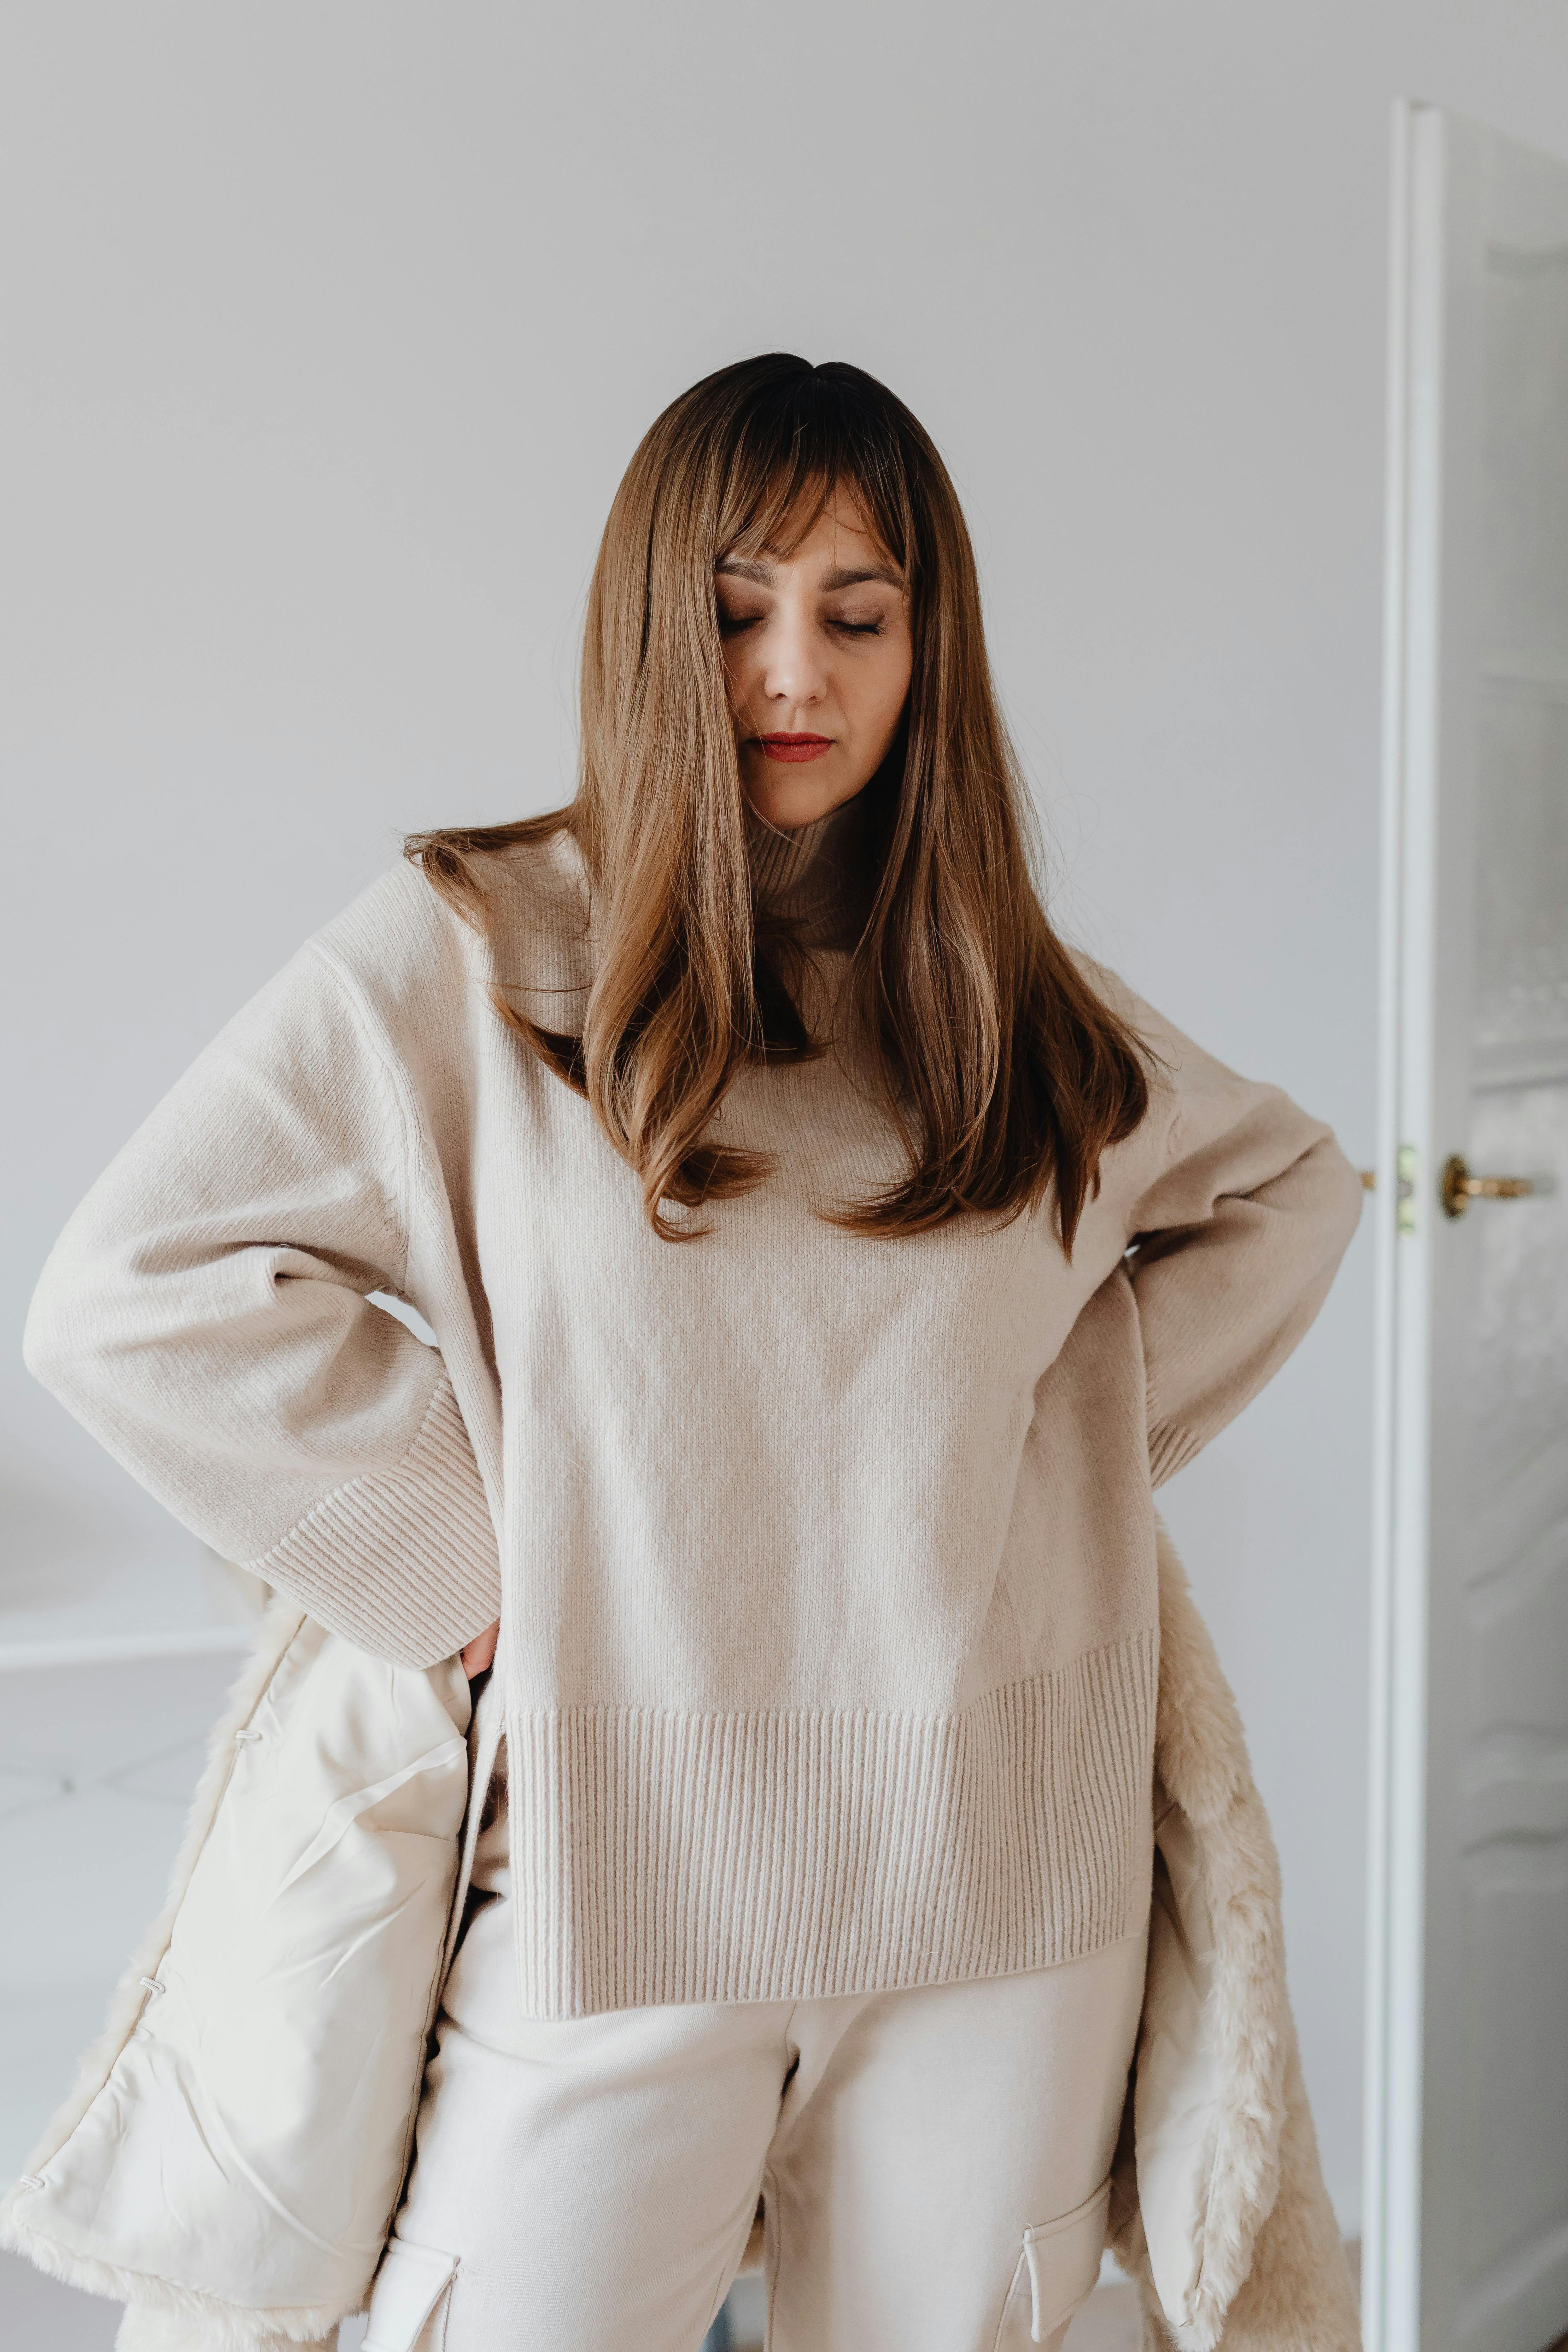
pixel 328 333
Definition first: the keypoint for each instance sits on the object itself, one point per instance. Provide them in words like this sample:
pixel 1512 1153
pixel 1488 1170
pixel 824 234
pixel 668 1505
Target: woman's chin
pixel 790 799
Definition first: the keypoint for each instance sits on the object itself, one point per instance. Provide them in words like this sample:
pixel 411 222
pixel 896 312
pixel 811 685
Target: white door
pixel 1466 2225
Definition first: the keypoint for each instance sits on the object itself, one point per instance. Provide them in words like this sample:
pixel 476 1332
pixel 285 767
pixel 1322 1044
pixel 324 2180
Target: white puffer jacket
pixel 231 2159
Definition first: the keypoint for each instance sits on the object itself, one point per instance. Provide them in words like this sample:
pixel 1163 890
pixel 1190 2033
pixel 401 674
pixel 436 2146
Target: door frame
pixel 1404 1206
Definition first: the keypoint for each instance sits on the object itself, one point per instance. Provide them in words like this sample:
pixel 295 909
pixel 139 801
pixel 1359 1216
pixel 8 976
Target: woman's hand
pixel 479 1653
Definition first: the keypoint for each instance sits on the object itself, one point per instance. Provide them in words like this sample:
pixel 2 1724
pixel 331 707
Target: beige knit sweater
pixel 825 1564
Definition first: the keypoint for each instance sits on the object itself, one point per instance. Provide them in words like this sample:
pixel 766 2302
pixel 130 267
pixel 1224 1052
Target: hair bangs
pixel 803 440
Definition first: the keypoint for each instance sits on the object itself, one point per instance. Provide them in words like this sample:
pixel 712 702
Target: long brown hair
pixel 1004 1070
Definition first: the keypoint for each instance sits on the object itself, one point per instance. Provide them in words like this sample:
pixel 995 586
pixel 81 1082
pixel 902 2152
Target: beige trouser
pixel 933 2162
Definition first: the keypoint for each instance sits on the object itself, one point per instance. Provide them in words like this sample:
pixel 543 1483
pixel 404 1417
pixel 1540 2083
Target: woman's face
pixel 817 653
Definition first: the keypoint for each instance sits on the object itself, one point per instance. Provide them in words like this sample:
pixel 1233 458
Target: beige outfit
pixel 934 2163
pixel 825 1564
pixel 231 2156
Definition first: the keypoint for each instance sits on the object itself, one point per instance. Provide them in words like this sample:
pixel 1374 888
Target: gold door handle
pixel 1459 1188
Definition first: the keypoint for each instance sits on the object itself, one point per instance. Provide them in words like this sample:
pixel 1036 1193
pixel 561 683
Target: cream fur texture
pixel 1273 2276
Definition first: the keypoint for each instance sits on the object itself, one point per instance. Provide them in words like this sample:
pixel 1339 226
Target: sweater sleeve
pixel 205 1315
pixel 1236 1240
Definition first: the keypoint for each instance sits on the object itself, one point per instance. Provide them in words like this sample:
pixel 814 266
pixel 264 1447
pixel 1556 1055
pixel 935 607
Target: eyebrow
pixel 883 572
pixel 744 567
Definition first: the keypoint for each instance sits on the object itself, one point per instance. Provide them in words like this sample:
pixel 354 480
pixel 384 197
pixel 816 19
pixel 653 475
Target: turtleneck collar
pixel 815 877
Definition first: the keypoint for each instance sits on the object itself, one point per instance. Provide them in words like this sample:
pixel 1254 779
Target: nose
pixel 794 672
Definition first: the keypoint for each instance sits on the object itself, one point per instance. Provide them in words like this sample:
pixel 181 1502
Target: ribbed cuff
pixel 1170 1450
pixel 403 1562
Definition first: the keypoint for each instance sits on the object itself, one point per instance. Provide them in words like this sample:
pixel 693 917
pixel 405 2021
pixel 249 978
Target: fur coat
pixel 217 2111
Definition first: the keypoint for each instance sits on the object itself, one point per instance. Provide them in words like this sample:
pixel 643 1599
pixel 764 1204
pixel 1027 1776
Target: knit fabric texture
pixel 824 1563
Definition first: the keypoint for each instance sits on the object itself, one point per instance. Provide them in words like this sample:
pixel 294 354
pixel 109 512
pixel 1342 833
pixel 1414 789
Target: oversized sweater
pixel 824 1563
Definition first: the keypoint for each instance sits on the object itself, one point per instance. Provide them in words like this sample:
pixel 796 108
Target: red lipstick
pixel 795 748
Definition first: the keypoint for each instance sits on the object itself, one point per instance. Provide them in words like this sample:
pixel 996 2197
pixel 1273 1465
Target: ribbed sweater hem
pixel 666 1857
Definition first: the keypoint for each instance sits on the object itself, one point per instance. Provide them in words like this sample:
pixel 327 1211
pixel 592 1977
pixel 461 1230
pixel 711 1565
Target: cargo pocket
pixel 410 2299
pixel 1057 2272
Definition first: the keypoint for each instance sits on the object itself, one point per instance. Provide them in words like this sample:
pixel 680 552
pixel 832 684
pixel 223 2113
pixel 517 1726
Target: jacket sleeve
pixel 1236 1240
pixel 205 1314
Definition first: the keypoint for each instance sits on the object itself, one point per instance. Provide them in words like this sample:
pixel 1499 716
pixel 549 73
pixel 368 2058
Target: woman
pixel 825 1265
